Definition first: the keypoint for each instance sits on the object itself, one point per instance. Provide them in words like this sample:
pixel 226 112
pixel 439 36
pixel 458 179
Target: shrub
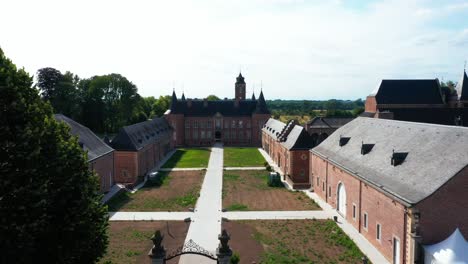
pixel 235 259
pixel 268 168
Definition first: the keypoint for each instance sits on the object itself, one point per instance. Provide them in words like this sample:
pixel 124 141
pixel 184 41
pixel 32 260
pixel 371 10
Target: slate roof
pixel 409 92
pixel 329 122
pixel 136 136
pixel 196 107
pixel 91 143
pixel 436 153
pixel 462 88
pixel 296 138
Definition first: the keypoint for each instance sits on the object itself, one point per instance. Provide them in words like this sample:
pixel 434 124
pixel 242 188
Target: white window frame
pixel 378 232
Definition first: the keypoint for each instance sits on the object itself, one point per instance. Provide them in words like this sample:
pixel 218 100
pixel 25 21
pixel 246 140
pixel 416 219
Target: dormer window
pixel 398 158
pixel 366 148
pixel 344 141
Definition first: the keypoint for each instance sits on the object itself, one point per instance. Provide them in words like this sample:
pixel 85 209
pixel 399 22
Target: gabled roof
pixel 295 138
pixel 91 143
pixel 194 107
pixel 329 122
pixel 435 154
pixel 409 92
pixel 462 87
pixel 136 136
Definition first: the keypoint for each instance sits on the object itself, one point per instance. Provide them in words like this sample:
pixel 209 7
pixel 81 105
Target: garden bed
pixel 291 241
pixel 175 191
pixel 129 242
pixel 248 190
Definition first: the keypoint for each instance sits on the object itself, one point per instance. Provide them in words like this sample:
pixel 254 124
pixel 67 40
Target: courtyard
pixel 248 190
pixel 267 224
pixel 170 191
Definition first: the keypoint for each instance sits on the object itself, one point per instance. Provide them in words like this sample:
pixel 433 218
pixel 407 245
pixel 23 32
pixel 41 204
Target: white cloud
pixel 299 49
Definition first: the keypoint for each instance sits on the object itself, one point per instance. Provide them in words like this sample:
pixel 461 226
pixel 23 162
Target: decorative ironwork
pixel 190 247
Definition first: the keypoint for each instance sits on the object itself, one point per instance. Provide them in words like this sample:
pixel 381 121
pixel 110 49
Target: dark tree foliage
pixel 109 102
pixel 212 97
pixel 47 80
pixel 50 205
pixel 60 90
pixel 332 107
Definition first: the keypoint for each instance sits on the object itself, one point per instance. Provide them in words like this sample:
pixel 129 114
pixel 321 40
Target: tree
pixel 161 105
pixel 109 101
pixel 212 97
pixel 50 204
pixel 60 90
pixel 47 80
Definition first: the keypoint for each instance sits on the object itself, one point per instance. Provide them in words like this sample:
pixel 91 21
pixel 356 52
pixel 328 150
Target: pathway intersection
pixel 207 216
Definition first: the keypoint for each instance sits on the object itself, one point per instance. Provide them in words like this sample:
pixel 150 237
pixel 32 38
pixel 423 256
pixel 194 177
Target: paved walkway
pixel 206 220
pixel 182 169
pixel 244 168
pixel 280 215
pixel 148 216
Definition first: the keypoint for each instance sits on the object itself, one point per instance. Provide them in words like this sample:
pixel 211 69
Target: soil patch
pixel 173 191
pixel 129 242
pixel 248 190
pixel 291 241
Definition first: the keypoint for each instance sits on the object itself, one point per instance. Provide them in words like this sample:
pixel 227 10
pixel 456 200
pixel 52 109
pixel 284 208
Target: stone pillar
pixel 223 251
pixel 158 252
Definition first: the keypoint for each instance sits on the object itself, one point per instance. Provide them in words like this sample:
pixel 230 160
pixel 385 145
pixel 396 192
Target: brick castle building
pixel 236 122
pixel 400 184
pixel 420 101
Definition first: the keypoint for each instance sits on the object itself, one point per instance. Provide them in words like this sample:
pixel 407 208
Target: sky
pixel 291 49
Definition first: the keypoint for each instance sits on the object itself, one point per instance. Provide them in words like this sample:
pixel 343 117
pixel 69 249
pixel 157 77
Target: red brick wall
pixel 126 166
pixel 299 167
pixel 371 104
pixel 184 130
pixel 104 167
pixel 390 214
pixel 138 163
pixel 380 208
pixel 445 210
pixel 290 162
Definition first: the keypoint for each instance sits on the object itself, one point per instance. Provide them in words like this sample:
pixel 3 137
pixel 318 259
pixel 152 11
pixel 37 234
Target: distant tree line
pixel 104 103
pixel 330 108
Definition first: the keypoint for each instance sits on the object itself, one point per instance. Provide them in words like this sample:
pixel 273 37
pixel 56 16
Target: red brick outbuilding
pixel 400 184
pixel 139 148
pixel 100 155
pixel 288 145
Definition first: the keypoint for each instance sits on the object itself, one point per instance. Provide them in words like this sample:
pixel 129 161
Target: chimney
pixel 189 102
pixel 236 102
pixel 205 102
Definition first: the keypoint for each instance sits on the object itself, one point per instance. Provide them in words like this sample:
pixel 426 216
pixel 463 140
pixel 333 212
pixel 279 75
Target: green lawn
pixel 189 158
pixel 243 157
